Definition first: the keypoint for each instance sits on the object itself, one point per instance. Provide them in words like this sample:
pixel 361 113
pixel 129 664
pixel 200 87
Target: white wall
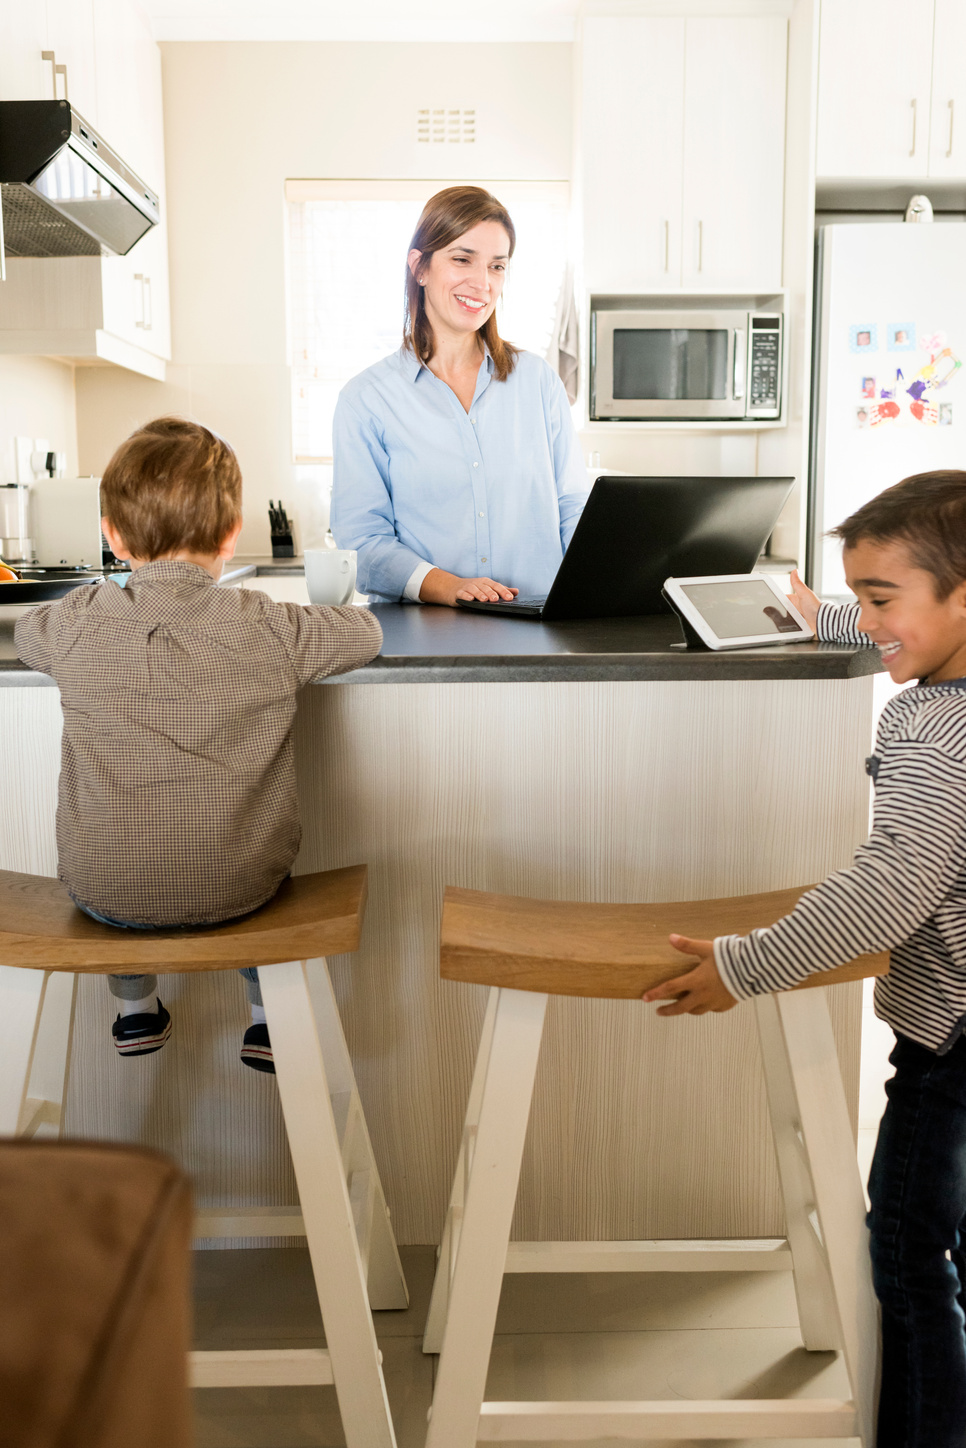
pixel 240 119
pixel 36 401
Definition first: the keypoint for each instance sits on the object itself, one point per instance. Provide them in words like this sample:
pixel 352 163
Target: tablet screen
pixel 740 609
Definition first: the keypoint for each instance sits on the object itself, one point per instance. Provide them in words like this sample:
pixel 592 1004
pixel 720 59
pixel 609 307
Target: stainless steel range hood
pixel 63 191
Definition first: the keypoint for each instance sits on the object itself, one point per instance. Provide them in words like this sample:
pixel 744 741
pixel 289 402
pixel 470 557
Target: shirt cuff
pixel 725 947
pixel 415 581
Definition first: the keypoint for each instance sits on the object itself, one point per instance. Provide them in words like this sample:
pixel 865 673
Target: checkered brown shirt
pixel 177 800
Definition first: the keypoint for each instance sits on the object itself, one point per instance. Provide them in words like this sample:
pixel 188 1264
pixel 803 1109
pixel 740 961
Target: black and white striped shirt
pixel 906 888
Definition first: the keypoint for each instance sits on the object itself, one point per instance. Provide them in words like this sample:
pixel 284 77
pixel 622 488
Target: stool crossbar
pixel 45 941
pixel 526 950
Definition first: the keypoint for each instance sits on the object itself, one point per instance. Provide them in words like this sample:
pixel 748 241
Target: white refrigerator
pixel 889 384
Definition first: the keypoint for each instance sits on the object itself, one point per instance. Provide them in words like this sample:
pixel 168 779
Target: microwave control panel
pixel 764 366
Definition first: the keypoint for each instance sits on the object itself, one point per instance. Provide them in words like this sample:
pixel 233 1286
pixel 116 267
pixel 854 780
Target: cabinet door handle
pixel 949 149
pixel 49 55
pixel 148 307
pixel 700 245
pixel 912 148
pixel 667 243
pixel 138 299
pixel 60 70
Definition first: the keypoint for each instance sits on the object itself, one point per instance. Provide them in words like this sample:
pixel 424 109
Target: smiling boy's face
pixel 919 635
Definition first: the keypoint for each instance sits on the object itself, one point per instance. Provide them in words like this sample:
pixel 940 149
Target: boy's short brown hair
pixel 925 512
pixel 172 487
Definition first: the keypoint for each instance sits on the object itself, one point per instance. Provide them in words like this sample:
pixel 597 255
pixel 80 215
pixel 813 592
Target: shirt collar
pixel 412 366
pixel 171 570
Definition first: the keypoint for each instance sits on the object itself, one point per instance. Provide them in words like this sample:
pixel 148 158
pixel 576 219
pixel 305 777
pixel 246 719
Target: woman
pixel 458 472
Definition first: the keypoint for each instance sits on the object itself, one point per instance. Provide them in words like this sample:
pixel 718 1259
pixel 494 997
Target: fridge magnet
pixel 863 416
pixel 868 386
pixel 925 412
pixel 864 337
pixel 938 372
pixel 945 414
pixel 901 337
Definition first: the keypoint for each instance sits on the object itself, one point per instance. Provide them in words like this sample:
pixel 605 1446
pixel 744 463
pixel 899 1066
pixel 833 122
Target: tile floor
pixel 662 1335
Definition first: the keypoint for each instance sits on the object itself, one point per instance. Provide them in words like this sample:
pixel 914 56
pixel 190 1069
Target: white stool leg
pixel 817 1313
pixel 385 1279
pixel 839 1200
pixel 439 1302
pixel 494 1172
pixel 326 1209
pixel 21 1003
pixel 47 1089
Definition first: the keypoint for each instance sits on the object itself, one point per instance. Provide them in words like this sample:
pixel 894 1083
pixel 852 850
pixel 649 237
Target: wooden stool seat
pixel 618 952
pixel 311 915
pixel 527 950
pixel 45 941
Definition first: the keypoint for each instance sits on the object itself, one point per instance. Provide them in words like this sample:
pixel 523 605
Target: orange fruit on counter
pixel 7 575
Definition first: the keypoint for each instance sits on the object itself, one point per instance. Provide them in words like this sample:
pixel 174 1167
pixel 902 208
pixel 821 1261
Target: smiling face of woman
pixel 462 282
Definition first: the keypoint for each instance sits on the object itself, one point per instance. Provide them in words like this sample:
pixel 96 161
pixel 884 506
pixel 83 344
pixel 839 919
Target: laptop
pixel 636 532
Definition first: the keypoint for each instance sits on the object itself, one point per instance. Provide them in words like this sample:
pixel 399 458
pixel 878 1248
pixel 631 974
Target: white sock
pixel 146 1005
pixel 258 1015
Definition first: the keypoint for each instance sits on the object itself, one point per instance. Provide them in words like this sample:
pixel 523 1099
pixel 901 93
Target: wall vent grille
pixel 436 125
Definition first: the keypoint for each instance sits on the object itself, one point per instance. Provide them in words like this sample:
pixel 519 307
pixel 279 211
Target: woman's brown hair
pixel 445 217
pixel 173 486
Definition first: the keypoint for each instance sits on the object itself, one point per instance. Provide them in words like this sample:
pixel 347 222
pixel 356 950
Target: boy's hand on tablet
pixel 697 992
pixel 807 602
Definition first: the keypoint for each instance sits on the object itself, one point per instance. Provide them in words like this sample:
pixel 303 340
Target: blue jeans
pixel 136 987
pixel 917 1187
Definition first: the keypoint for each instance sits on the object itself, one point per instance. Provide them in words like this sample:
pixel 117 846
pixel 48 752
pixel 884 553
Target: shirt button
pixel 482 560
pixel 476 465
pixel 481 515
pixel 472 421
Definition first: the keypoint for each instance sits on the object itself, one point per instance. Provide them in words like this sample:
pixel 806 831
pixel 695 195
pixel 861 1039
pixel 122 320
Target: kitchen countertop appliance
pixel 16 545
pixel 684 359
pixel 66 521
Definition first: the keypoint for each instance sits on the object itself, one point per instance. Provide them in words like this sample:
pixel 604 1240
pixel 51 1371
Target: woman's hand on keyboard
pixel 447 588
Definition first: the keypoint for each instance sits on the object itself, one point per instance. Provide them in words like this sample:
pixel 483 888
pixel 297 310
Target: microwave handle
pixel 738 387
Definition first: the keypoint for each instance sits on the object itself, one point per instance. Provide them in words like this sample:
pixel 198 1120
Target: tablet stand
pixel 692 639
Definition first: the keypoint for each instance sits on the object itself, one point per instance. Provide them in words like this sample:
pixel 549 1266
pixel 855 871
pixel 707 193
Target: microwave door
pixel 667 365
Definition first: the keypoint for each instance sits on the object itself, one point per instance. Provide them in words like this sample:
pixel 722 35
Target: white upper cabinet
pixel 109 68
pixel 24 75
pixel 129 88
pixel 682 152
pixel 70 36
pixel 734 152
pixel 947 125
pixel 633 91
pixel 891 79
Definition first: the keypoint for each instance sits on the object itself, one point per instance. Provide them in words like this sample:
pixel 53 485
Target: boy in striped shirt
pixel 905 560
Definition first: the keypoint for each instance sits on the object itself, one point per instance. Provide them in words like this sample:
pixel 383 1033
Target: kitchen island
pixel 589 760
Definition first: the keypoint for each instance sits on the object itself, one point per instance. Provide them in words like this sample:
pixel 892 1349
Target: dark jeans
pixel 918 1219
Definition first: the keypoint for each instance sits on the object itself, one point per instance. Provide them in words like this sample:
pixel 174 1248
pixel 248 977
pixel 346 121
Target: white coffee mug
pixel 330 574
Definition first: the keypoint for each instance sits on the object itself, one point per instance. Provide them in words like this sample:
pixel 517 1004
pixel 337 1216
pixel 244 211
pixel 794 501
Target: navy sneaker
pixel 256 1049
pixel 142 1034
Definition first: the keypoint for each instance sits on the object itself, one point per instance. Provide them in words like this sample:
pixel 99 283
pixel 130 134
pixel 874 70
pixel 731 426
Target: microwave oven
pixel 685 365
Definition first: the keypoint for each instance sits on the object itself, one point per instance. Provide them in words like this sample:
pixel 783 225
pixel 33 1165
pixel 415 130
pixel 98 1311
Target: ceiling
pixel 423 20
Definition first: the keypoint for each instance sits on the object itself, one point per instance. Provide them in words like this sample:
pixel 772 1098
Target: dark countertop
pixel 441 645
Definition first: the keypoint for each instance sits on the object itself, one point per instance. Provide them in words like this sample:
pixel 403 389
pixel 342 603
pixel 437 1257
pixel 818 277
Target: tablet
pixel 737 610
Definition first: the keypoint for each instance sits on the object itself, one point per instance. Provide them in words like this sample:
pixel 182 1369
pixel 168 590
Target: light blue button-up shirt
pixel 495 492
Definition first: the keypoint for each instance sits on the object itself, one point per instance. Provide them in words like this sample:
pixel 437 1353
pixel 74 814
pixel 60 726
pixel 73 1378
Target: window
pixel 347 245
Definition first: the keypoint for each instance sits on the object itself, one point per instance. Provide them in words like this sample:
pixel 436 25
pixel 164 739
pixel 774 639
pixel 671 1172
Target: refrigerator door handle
pixel 738 375
pixel 912 148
